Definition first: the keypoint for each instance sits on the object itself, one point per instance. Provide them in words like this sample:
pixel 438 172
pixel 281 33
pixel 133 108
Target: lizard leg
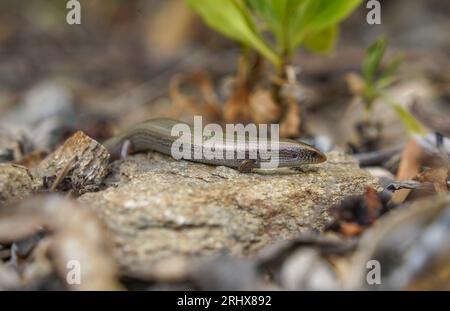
pixel 246 166
pixel 125 149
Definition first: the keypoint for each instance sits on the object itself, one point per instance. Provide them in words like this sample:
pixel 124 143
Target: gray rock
pixel 160 207
pixel 46 111
pixel 411 247
pixel 45 100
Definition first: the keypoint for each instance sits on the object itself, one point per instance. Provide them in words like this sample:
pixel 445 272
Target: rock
pixel 75 240
pixel 161 207
pixel 46 114
pixel 307 270
pixel 44 101
pixel 9 276
pixel 14 143
pixel 435 115
pixel 80 164
pixel 16 182
pixel 410 246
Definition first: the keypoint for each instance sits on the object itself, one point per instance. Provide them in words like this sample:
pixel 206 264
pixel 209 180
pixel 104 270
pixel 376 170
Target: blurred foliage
pixel 376 80
pixel 290 23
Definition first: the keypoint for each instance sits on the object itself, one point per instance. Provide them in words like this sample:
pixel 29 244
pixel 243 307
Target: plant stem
pixel 277 86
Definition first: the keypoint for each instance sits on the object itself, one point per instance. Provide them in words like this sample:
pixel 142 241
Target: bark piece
pixel 80 164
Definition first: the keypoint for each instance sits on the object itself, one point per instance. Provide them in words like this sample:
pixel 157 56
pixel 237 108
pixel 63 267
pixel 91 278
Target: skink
pixel 156 135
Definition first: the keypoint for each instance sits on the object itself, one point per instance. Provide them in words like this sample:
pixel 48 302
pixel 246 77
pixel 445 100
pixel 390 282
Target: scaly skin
pixel 155 135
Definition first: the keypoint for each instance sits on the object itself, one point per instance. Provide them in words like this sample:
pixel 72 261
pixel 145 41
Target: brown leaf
pixel 350 229
pixel 410 164
pixel 355 83
pixel 290 123
pixel 237 108
pixel 373 204
pixel 437 176
pixel 33 159
pixel 356 213
pixel 263 107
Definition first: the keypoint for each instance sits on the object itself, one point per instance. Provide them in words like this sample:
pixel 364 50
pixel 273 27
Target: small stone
pixel 16 182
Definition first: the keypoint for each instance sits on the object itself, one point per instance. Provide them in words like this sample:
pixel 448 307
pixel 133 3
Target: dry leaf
pixel 263 107
pixel 410 165
pixel 290 124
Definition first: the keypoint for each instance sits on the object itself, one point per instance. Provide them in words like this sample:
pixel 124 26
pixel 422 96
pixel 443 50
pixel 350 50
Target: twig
pixel 63 174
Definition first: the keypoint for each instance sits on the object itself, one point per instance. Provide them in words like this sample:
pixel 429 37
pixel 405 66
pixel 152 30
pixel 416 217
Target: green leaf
pixel 411 124
pixel 231 18
pixel 311 16
pixel 277 16
pixel 323 41
pixel 383 83
pixel 290 22
pixel 391 69
pixel 372 60
pixel 273 13
pixel 370 94
pixel 388 76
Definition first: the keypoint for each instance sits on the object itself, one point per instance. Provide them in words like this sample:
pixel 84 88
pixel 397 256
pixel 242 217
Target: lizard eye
pixel 320 157
pixel 299 155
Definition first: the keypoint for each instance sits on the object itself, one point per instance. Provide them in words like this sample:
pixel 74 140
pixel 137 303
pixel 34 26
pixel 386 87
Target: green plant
pixel 276 28
pixel 376 81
